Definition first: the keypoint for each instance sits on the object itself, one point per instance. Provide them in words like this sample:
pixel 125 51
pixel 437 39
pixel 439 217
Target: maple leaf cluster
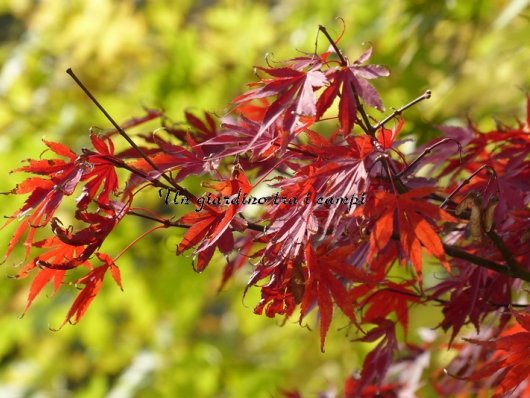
pixel 303 130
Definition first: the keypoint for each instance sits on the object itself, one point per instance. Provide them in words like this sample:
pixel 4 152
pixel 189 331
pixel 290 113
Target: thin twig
pixel 467 180
pixel 429 150
pixel 140 173
pixel 120 130
pixel 399 111
pixel 339 54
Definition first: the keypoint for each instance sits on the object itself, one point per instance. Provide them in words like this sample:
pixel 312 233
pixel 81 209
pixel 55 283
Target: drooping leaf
pixel 512 356
pixel 92 281
pixel 380 358
pixel 322 285
pixel 349 81
pixel 414 224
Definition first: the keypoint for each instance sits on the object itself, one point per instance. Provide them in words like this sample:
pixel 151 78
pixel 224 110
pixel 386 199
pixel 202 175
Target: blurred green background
pixel 169 334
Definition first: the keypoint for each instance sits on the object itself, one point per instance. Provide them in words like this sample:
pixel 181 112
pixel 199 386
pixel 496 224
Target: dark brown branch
pixel 482 262
pixel 515 269
pixel 339 54
pixel 125 135
pixel 116 125
pixel 367 125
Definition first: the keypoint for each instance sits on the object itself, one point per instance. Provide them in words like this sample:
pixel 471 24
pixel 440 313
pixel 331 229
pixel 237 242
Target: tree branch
pixel 125 135
pixel 482 262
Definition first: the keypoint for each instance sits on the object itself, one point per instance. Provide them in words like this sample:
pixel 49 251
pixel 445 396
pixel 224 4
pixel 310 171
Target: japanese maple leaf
pixel 67 250
pixel 378 360
pixel 205 129
pixel 512 357
pixel 211 225
pixel 202 130
pixel 290 229
pixel 101 173
pixel 342 176
pixel 323 286
pixel 175 157
pixel 470 290
pixel 295 91
pixel 92 281
pixel 254 110
pixel 348 177
pixel 241 138
pixel 101 224
pixel 347 81
pixel 392 297
pixel 386 137
pixel 46 194
pixel 276 295
pixel 202 226
pixel 414 228
pixel 57 252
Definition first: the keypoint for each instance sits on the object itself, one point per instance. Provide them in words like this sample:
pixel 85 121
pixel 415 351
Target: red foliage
pixel 509 365
pixel 347 209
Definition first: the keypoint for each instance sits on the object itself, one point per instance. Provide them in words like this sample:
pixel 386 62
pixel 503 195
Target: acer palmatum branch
pixel 399 111
pixel 126 136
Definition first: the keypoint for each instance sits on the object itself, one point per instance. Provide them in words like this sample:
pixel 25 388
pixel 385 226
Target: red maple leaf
pixel 511 357
pixel 101 173
pixel 101 224
pixel 92 281
pixel 380 358
pixel 413 216
pixel 46 194
pixel 386 137
pixel 58 252
pixel 392 297
pixel 246 135
pixel 172 157
pixel 323 285
pixel 347 81
pixel 295 90
pixel 211 225
pixel 277 295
